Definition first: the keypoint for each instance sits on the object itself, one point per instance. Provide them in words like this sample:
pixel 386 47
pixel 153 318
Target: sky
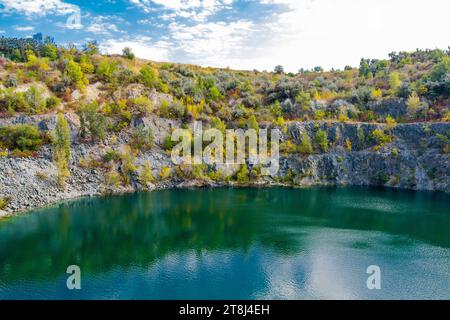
pixel 240 34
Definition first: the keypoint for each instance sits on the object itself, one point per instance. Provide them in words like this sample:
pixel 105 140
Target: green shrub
pixel 106 70
pixel 443 142
pixel 165 173
pixel 16 153
pixel 380 137
pixel 50 51
pixel 142 104
pixel 4 202
pixel 394 82
pixel 215 94
pixel 414 105
pixel 121 116
pixel 303 99
pixel 113 178
pixel 253 123
pixel 142 138
pixel 255 173
pixel 128 159
pixel 348 144
pixel 215 175
pixel 390 122
pixel 218 124
pixel 440 70
pixel 36 64
pixel 11 81
pixel 23 137
pixel 305 146
pixel 35 100
pixel 319 115
pixel 442 139
pixel 198 171
pixel 288 147
pixel 148 76
pixel 168 144
pixel 92 122
pixel 86 64
pixel 52 102
pixel 164 109
pixel 280 123
pixel 275 109
pixel 111 155
pixel 30 101
pixel 76 76
pixel 361 136
pixel 41 175
pixel 242 174
pixel 395 152
pixel 446 116
pixel 13 101
pixel 343 117
pixel 176 109
pixel 146 175
pixel 321 140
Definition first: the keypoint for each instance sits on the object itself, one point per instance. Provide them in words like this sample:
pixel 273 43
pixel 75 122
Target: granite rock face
pixel 395 108
pixel 414 159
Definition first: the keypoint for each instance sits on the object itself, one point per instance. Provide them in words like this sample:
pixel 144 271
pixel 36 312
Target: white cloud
pixel 101 25
pixel 212 43
pixel 309 33
pixel 143 47
pixel 27 28
pixel 335 33
pixel 38 7
pixel 197 10
pixel 101 28
pixel 306 33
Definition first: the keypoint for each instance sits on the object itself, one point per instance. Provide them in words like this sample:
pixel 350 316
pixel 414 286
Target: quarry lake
pixel 275 243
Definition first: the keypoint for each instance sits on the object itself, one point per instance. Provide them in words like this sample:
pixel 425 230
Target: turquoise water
pixel 232 244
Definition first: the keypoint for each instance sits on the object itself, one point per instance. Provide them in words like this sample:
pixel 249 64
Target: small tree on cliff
pixel 61 152
pixel 321 140
pixel 305 146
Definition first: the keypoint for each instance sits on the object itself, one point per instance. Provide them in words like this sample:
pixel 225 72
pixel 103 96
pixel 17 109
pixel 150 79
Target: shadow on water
pixel 136 230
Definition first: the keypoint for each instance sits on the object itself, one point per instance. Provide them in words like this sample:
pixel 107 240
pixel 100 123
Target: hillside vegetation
pixel 105 121
pixel 417 84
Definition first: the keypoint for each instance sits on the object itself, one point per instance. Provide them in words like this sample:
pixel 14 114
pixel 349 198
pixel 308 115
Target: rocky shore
pixel 414 159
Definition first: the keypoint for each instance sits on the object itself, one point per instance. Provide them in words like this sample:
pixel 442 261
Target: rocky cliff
pixel 415 157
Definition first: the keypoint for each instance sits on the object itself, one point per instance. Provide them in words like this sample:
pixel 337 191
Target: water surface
pixel 232 244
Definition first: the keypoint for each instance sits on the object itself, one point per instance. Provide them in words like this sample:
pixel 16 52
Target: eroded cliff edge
pixel 415 158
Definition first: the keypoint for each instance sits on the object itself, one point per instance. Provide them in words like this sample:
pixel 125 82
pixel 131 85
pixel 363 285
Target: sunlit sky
pixel 240 34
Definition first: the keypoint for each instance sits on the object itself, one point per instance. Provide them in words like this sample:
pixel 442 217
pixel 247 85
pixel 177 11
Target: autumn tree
pixel 61 152
pixel 279 69
pixel 394 82
pixel 128 53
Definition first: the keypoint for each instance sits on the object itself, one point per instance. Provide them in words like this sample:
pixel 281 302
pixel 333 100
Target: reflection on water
pixel 232 243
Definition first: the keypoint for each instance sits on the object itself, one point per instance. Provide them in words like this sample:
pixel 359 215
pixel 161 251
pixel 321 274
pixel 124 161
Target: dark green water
pixel 232 244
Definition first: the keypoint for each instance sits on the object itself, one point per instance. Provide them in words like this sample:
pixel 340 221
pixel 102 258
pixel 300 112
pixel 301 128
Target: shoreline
pixel 129 191
pixel 419 163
